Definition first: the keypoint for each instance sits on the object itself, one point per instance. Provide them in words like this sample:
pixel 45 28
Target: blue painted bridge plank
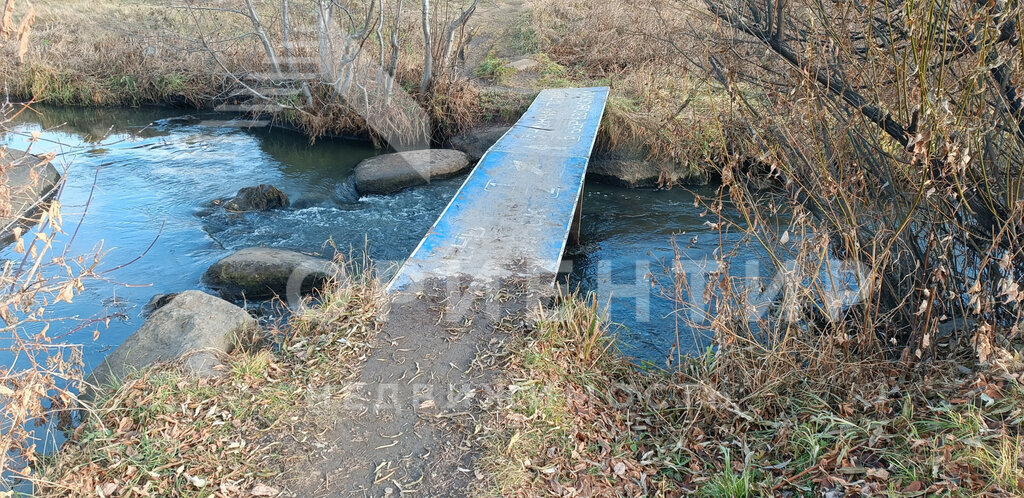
pixel 513 214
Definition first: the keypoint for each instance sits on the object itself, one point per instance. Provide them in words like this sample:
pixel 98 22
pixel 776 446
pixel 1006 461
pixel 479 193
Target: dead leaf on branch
pixel 7 27
pixel 67 293
pixel 23 33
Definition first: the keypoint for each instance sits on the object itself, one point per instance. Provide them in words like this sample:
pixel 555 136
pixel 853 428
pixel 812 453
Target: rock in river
pixel 187 119
pixel 194 327
pixel 477 141
pixel 389 173
pixel 258 198
pixel 259 273
pixel 28 180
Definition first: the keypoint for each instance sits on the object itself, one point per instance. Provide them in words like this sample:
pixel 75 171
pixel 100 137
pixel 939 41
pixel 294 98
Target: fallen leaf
pixel 263 490
pixel 108 489
pixel 198 482
pixel 913 487
pixel 846 409
pixel 620 469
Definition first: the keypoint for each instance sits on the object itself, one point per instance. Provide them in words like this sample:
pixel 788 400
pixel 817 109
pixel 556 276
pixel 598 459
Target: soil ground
pixel 497 28
pixel 405 425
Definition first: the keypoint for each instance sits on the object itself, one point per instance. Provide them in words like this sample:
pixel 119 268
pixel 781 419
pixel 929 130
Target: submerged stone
pixel 260 273
pixel 639 173
pixel 187 119
pixel 390 173
pixel 258 198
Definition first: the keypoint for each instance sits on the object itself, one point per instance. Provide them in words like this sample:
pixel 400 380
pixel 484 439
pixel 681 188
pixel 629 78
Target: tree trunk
pixel 455 26
pixel 328 71
pixel 428 53
pixel 392 70
pixel 262 35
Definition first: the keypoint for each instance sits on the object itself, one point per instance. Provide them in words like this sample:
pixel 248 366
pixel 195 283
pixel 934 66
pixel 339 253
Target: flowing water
pixel 151 179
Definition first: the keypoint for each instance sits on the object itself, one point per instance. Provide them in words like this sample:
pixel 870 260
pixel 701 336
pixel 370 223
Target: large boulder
pixel 194 327
pixel 389 173
pixel 29 182
pixel 260 273
pixel 477 141
pixel 258 198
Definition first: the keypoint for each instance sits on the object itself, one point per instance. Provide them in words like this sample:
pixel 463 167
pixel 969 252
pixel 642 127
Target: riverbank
pixel 562 414
pixel 574 418
pixel 80 56
pixel 163 432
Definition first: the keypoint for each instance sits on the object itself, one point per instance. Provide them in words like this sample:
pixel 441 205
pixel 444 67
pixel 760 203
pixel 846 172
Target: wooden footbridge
pixel 517 209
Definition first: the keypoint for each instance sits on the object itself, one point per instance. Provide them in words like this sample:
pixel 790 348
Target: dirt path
pixel 491 24
pixel 404 425
pixel 498 29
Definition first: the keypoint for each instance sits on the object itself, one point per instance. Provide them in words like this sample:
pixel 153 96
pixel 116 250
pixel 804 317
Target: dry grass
pixel 162 433
pixel 575 419
pixel 108 53
pixel 661 107
pixel 117 53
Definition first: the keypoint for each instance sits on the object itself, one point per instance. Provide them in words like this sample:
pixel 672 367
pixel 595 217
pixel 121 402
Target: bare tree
pixel 454 28
pixel 41 384
pixel 898 126
pixel 257 26
pixel 440 63
pixel 396 50
pixel 332 67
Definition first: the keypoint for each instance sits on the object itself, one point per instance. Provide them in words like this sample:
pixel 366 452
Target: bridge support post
pixel 577 221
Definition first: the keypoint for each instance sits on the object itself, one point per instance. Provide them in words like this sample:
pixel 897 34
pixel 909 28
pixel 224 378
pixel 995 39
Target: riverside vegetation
pixel 891 135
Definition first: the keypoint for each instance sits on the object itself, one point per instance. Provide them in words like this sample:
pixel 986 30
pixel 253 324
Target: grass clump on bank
pixel 495 69
pixel 163 433
pixel 575 418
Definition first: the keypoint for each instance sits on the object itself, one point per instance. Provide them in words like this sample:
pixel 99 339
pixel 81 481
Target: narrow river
pixel 152 178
